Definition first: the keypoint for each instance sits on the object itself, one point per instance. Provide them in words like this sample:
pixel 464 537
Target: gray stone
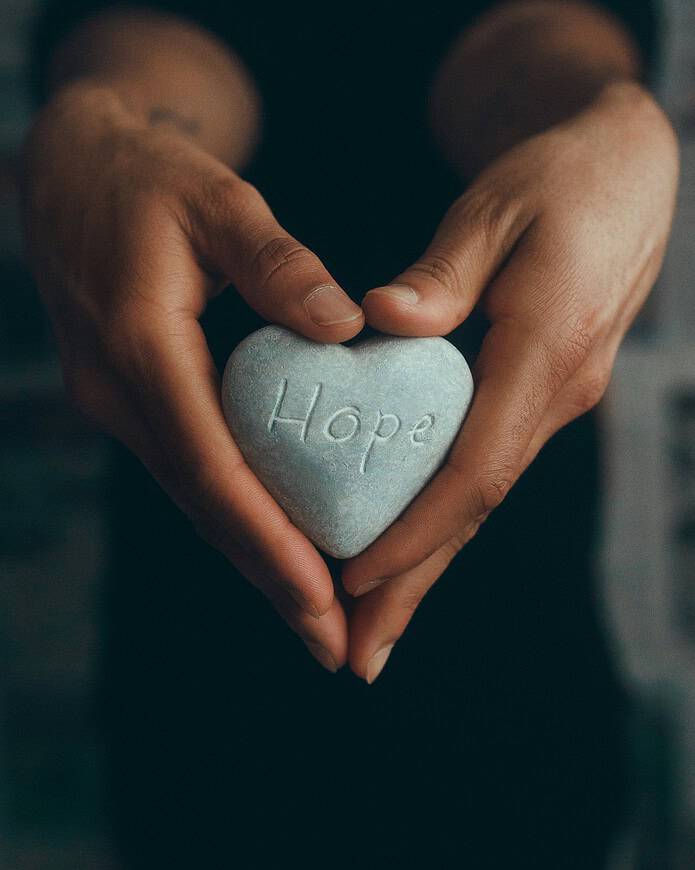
pixel 344 437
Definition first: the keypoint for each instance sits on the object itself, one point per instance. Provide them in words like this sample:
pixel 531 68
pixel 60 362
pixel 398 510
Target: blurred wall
pixel 52 538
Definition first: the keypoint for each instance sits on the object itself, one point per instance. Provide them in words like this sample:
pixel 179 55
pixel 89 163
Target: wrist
pixel 91 111
pixel 628 97
pixel 525 68
pixel 631 107
pixel 86 103
pixel 167 73
pixel 67 135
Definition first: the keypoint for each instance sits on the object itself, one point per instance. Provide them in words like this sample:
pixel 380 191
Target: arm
pixel 526 67
pixel 164 71
pixel 133 220
pixel 558 239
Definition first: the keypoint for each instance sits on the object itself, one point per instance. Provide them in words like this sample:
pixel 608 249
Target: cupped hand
pixel 130 231
pixel 559 241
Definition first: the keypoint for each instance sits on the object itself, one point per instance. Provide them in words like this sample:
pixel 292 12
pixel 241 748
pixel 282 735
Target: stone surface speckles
pixel 344 438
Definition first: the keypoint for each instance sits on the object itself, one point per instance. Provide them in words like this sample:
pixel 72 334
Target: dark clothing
pixel 494 737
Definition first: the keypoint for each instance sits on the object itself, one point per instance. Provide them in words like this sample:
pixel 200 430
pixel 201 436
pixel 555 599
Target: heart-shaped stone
pixel 344 437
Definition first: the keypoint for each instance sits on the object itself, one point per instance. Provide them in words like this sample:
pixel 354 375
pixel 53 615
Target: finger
pixel 101 399
pixel 237 236
pixel 438 292
pixel 326 638
pixel 523 364
pixel 172 379
pixel 379 618
pixel 154 347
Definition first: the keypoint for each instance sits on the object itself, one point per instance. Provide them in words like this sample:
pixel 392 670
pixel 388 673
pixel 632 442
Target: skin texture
pixel 559 239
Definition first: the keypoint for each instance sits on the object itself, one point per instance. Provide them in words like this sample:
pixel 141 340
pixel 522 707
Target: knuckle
pixel 221 203
pixel 226 192
pixel 492 488
pixel 559 364
pixel 411 600
pixel 441 267
pixel 454 545
pixel 458 541
pixel 277 255
pixel 567 348
pixel 241 190
pixel 592 389
pixel 491 214
pixel 579 335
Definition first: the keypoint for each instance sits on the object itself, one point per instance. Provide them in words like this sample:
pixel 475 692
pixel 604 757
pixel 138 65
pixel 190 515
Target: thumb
pixel 439 291
pixel 239 239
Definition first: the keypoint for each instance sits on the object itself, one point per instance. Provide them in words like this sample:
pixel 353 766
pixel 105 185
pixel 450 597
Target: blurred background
pixel 53 470
pixel 51 514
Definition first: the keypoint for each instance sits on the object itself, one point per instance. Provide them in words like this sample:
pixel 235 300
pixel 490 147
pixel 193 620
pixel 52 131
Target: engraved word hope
pixel 346 423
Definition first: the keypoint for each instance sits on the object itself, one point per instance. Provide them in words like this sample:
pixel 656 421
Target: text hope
pixel 347 423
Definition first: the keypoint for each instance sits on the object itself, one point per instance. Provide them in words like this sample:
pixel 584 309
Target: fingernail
pixel 322 656
pixel 402 292
pixel 377 662
pixel 329 305
pixel 306 605
pixel 368 586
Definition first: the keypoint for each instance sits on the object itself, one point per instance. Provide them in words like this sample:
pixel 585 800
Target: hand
pixel 559 241
pixel 131 230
